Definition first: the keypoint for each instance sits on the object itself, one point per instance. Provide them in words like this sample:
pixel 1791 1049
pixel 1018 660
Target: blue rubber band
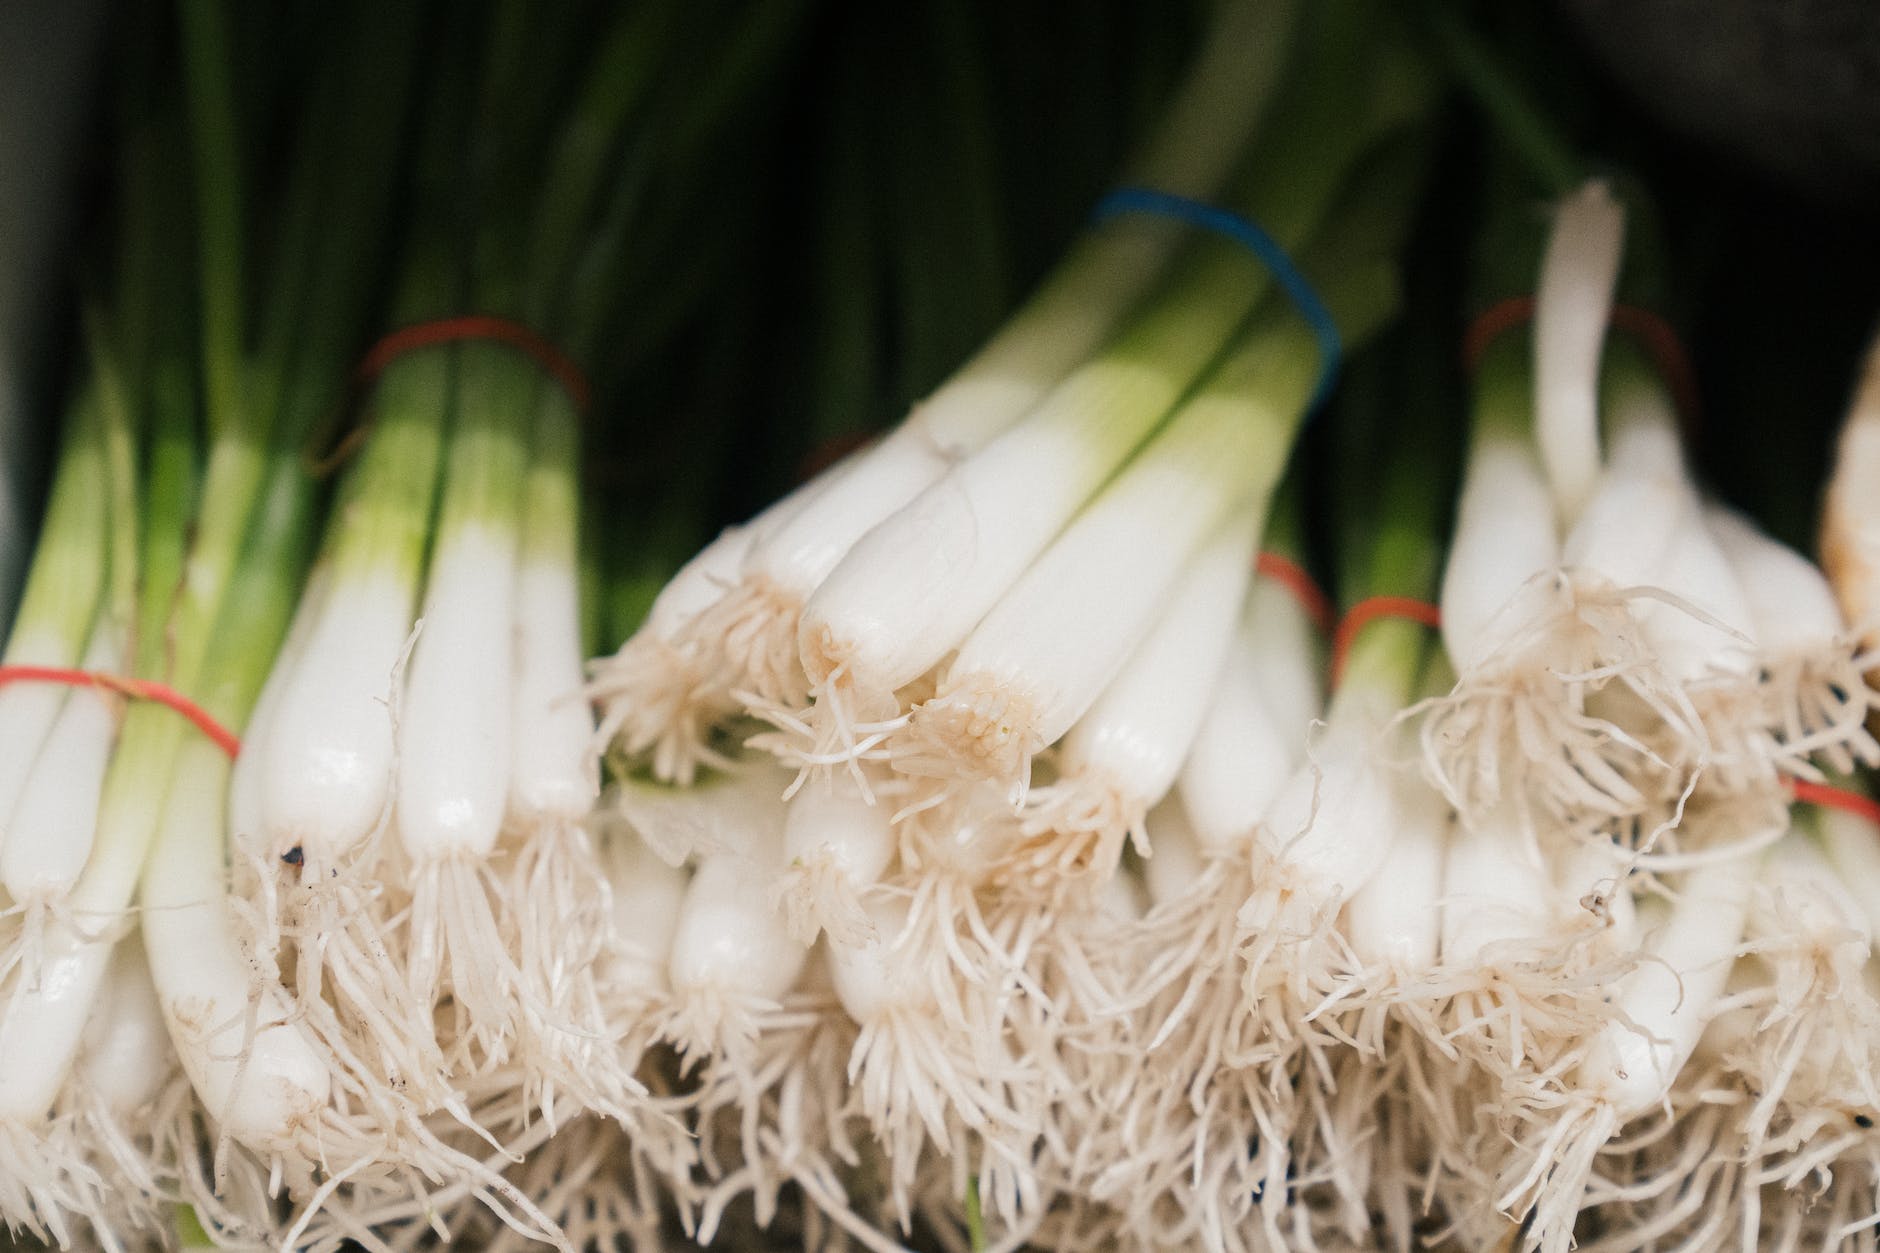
pixel 1248 235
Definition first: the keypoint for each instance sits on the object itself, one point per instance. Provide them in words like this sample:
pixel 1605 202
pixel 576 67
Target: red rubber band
pixel 1296 579
pixel 1370 610
pixel 136 689
pixel 477 326
pixel 1836 798
pixel 446 331
pixel 1650 330
pixel 1491 324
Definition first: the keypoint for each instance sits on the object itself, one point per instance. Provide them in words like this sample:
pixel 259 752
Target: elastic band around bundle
pixel 1369 610
pixel 1296 579
pixel 478 326
pixel 135 689
pixel 471 326
pixel 1248 234
pixel 1649 329
pixel 1809 793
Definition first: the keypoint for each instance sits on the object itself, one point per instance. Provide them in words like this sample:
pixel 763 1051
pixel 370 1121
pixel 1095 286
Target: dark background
pixel 938 155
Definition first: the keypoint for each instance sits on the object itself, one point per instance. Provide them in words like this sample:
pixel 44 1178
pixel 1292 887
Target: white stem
pixel 732 951
pixel 1139 730
pixel 1715 639
pixel 1669 999
pixel 1175 862
pixel 791 540
pixel 454 751
pixel 797 555
pixel 910 589
pixel 1201 135
pixel 1395 920
pixel 43 1017
pixel 1104 580
pixel 1333 823
pixel 247 800
pixel 1254 732
pixel 1573 301
pixel 1850 520
pixel 329 753
pixel 735 812
pixel 1593 878
pixel 1853 845
pixel 1807 894
pixel 56 820
pixel 553 776
pixel 1495 892
pixel 1505 536
pixel 125 1057
pixel 647 894
pixel 836 820
pixel 702 580
pixel 256 1073
pixel 1791 604
pixel 27 712
pixel 837 842
pixel 1125 898
pixel 1627 525
pixel 873 979
pixel 1288 656
pixel 732 947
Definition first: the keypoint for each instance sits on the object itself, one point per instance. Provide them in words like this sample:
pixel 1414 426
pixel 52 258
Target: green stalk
pixel 1503 403
pixel 173 463
pixel 1520 123
pixel 923 322
pixel 671 515
pixel 186 864
pixel 246 458
pixel 67 577
pixel 554 514
pixel 844 384
pixel 356 127
pixel 1626 370
pixel 617 84
pixel 215 147
pixel 951 265
pixel 1242 422
pixel 487 455
pixel 143 263
pixel 154 324
pixel 382 524
pixel 570 282
pixel 702 104
pixel 679 151
pixel 1403 558
pixel 1317 138
pixel 117 612
pixel 1111 269
pixel 381 527
pixel 642 560
pixel 1382 665
pixel 1252 44
pixel 1284 531
pixel 512 48
pixel 261 602
pixel 595 572
pixel 668 298
pixel 551 495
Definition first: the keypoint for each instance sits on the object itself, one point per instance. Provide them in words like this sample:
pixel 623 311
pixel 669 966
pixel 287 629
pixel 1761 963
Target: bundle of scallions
pixel 988 844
